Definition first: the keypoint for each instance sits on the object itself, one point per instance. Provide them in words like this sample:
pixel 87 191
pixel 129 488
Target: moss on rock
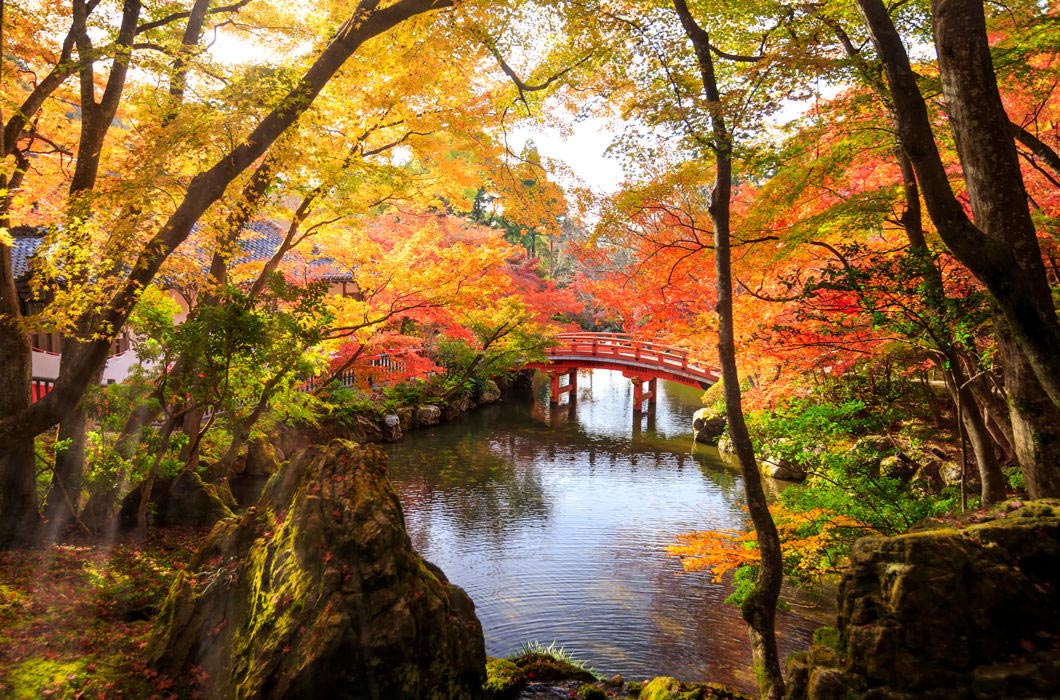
pixel 940 612
pixel 317 592
pixel 667 688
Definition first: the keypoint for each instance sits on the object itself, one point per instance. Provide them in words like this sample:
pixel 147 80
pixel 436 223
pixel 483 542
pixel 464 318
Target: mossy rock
pixel 827 637
pixel 504 679
pixel 591 692
pixel 958 604
pixel 549 669
pixel 316 592
pixel 667 688
pixel 180 500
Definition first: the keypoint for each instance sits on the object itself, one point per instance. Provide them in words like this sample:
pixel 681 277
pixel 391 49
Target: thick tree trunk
pixel 1035 419
pixel 992 173
pixel 760 606
pixel 1002 250
pixel 18 487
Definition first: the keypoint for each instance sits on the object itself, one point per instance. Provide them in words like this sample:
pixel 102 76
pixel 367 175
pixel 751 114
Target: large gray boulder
pixel 782 469
pixel 946 614
pixel 316 592
pixel 182 500
pixel 392 427
pixel 428 414
pixel 491 393
pixel 708 426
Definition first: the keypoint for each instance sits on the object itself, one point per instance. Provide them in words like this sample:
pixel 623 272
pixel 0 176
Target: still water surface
pixel 555 522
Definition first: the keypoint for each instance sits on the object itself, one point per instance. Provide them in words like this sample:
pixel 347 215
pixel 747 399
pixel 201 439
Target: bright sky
pixel 582 151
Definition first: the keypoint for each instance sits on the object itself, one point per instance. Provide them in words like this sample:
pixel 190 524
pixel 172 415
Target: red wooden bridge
pixel 641 361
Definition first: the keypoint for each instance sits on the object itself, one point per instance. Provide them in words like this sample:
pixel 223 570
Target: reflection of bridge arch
pixel 641 361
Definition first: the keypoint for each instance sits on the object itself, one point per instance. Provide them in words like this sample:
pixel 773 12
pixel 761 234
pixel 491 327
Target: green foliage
pixel 845 496
pixel 743 582
pixel 503 679
pixel 407 393
pixel 344 404
pixel 1014 475
pixel 800 428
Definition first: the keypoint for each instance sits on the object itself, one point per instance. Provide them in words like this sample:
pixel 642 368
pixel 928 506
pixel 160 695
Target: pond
pixel 555 521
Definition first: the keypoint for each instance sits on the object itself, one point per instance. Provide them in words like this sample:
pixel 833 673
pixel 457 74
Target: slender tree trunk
pixel 760 606
pixel 992 481
pixel 64 494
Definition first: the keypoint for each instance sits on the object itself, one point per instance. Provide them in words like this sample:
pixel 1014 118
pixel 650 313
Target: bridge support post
pixel 643 391
pixel 555 390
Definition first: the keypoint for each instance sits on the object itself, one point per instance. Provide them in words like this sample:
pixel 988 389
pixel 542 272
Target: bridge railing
pixel 622 346
pixel 625 349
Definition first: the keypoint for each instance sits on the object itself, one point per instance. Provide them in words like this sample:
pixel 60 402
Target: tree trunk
pixel 759 608
pixel 981 130
pixel 18 488
pixel 1002 250
pixel 64 495
pixel 992 481
pixel 1035 419
pixel 62 504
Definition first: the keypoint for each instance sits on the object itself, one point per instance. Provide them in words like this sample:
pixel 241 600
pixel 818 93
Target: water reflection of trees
pixel 472 487
pixel 482 476
pixel 483 492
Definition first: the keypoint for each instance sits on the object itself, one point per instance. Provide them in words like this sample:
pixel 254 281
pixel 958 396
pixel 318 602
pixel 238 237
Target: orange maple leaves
pixel 811 542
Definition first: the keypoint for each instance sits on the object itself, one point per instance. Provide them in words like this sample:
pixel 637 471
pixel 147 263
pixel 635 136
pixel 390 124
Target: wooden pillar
pixel 555 390
pixel 643 391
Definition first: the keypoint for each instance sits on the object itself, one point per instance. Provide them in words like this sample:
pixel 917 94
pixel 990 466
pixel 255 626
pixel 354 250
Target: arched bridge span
pixel 642 361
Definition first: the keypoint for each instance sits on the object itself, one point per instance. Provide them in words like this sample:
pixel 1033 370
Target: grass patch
pixel 533 662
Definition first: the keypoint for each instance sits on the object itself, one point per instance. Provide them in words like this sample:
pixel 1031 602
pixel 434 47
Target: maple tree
pixel 141 249
pixel 162 115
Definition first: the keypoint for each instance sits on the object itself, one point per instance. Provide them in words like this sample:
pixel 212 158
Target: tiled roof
pixel 266 240
pixel 27 240
pixel 258 247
